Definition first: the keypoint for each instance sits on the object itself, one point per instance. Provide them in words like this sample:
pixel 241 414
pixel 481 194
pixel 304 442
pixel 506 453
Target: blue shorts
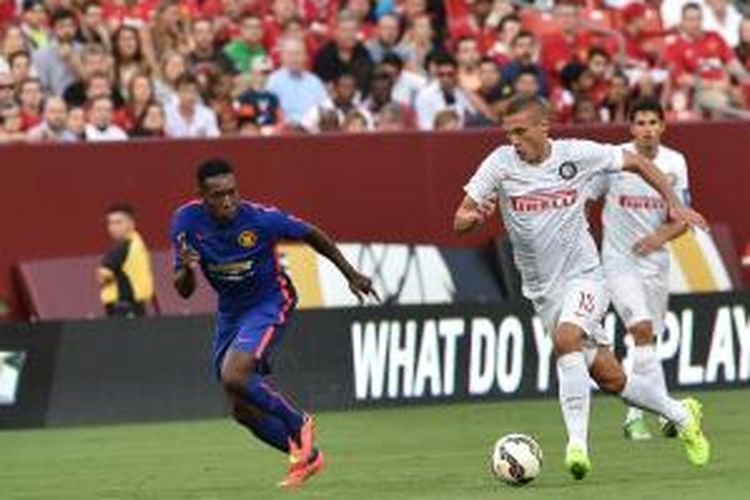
pixel 258 331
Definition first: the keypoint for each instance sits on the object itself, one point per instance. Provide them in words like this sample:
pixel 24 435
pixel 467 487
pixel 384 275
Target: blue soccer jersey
pixel 238 258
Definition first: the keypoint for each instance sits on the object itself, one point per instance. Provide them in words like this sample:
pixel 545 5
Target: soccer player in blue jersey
pixel 233 242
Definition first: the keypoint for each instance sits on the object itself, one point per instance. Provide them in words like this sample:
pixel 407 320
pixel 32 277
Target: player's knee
pixel 235 377
pixel 568 338
pixel 614 383
pixel 642 333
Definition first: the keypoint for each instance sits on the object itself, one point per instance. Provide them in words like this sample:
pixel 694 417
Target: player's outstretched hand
pixel 361 287
pixel 647 245
pixel 681 213
pixel 189 257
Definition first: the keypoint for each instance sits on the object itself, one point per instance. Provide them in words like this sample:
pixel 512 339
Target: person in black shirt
pixel 345 54
pixel 124 274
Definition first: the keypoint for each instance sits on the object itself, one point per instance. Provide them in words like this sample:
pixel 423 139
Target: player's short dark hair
pixel 213 168
pixel 646 104
pixel 62 14
pixel 121 208
pixel 520 103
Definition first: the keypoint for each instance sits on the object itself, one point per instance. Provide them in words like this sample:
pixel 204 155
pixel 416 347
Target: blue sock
pixel 260 394
pixel 270 430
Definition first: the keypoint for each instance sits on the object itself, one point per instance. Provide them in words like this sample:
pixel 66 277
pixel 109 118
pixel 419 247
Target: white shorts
pixel 581 301
pixel 638 298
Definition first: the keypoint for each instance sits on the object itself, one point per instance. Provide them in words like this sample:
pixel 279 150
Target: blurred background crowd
pixel 108 70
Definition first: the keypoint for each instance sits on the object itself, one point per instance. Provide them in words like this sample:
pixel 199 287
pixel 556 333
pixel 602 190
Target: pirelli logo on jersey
pixel 642 202
pixel 539 202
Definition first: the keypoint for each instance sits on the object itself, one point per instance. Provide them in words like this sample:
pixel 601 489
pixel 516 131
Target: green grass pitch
pixel 436 452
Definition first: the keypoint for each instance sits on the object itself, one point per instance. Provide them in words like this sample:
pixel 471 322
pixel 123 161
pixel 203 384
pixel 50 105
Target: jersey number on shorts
pixel 587 302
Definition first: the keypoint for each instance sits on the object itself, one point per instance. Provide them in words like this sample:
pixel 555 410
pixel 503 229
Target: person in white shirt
pixel 342 103
pixel 636 230
pixel 186 117
pixel 723 17
pixel 100 127
pixel 541 187
pixel 54 128
pixel 443 93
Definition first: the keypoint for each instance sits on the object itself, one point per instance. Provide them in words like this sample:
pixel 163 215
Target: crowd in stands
pixel 109 70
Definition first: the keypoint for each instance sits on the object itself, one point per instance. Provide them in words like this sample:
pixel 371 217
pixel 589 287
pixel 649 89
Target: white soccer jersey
pixel 543 209
pixel 633 209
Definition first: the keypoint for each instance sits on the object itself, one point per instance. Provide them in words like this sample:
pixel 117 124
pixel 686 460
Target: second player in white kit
pixel 541 187
pixel 636 229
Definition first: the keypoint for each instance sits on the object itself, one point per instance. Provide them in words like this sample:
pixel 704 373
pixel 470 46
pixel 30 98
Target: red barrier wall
pixel 376 188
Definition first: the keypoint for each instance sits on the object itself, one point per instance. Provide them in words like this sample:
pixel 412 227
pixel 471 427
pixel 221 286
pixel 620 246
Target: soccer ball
pixel 516 459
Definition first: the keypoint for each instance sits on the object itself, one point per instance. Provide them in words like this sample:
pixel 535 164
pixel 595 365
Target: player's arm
pixel 677 211
pixel 656 240
pixel 359 284
pixel 104 276
pixel 184 277
pixel 471 215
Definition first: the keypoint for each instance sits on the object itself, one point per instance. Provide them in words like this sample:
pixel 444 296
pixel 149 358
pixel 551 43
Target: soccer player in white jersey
pixel 636 262
pixel 541 187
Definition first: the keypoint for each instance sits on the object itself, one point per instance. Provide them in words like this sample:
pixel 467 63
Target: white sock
pixel 646 388
pixel 575 396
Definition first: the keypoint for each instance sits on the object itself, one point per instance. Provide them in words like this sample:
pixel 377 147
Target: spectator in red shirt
pixel 481 23
pixel 701 61
pixel 282 12
pixel 600 66
pixel 570 44
pixel 30 97
pixel 640 46
pixel 362 12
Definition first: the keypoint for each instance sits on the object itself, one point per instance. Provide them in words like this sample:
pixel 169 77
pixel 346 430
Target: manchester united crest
pixel 247 239
pixel 567 170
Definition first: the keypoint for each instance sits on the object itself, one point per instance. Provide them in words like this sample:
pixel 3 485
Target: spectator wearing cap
pixel 94 61
pixel 523 51
pixel 406 83
pixel 247 49
pixel 342 102
pixel 101 127
pixel 443 93
pixel 34 24
pixel 387 35
pixel 57 63
pixel 298 90
pixel 257 104
pixel 187 117
pixel 345 54
pixel 54 127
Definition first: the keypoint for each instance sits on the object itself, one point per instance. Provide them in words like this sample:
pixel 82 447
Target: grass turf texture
pixel 430 452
